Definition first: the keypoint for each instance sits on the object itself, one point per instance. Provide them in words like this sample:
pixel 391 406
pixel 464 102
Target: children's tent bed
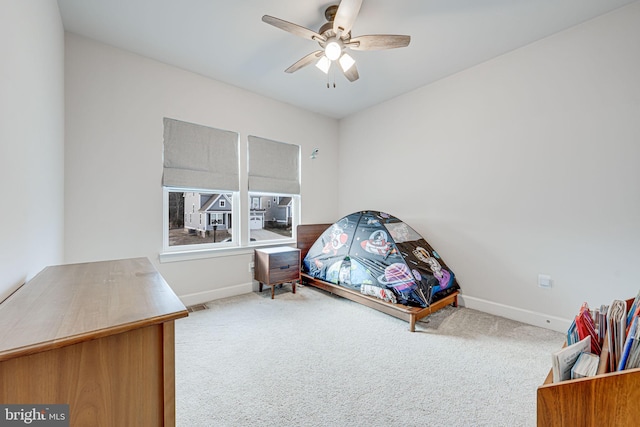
pixel 377 260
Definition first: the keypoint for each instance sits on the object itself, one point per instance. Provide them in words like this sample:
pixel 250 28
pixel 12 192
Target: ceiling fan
pixel 334 37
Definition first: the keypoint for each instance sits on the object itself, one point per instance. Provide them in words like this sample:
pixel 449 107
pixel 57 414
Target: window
pixel 255 202
pixel 274 188
pixel 204 207
pixel 195 158
pixel 210 226
pixel 277 221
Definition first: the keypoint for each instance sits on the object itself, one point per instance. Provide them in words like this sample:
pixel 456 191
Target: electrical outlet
pixel 544 281
pixel 251 267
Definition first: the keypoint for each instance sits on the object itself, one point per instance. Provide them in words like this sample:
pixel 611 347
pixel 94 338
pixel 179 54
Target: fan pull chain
pixel 333 74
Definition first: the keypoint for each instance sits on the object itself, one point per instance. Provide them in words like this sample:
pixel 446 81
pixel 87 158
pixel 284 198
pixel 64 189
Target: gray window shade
pixel 274 167
pixel 201 157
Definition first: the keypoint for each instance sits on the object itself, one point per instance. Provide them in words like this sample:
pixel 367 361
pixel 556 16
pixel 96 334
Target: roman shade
pixel 274 167
pixel 199 157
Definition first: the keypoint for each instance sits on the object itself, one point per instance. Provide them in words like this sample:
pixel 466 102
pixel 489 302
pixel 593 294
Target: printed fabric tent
pixel 379 255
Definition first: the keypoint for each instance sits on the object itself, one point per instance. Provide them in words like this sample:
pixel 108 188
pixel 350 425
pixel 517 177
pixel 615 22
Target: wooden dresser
pixel 274 266
pixel 96 336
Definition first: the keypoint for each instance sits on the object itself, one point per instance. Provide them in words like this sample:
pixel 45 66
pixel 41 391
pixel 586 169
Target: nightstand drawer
pixel 285 273
pixel 284 260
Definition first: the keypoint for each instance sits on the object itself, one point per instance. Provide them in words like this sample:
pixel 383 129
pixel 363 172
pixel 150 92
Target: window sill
pixel 177 256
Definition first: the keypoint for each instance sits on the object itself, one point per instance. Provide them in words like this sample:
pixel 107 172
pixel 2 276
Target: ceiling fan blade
pixel 379 42
pixel 346 15
pixel 293 28
pixel 306 60
pixel 352 73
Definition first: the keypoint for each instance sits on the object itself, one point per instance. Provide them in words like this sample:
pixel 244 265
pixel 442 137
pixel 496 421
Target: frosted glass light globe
pixel 333 50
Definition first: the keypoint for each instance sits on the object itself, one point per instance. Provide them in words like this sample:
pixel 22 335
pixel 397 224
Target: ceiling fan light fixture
pixel 324 64
pixel 333 50
pixel 346 62
pixel 334 39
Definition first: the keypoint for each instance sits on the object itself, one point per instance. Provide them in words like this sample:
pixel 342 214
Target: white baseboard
pixel 206 296
pixel 525 316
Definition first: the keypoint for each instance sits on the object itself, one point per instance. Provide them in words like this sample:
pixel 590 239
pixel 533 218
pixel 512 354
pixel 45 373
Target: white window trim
pixel 203 254
pixel 194 252
pixel 200 250
pixel 295 215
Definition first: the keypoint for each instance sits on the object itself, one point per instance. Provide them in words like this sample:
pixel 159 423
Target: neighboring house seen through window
pixel 210 225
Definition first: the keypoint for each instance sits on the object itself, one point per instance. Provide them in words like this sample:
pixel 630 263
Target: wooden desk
pixel 97 336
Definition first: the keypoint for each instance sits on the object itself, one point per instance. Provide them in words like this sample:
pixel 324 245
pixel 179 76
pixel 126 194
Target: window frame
pixel 295 218
pixel 201 247
pixel 241 242
pixel 248 176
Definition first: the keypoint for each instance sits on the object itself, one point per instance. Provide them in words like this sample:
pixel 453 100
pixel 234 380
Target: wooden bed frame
pixel 308 234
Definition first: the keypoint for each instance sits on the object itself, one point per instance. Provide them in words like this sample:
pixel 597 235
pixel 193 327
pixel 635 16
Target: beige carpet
pixel 312 359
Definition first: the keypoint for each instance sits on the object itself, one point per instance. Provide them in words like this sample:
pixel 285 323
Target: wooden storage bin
pixel 606 399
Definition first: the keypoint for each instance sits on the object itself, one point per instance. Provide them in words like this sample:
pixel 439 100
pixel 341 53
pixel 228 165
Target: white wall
pixel 113 195
pixel 31 140
pixel 526 164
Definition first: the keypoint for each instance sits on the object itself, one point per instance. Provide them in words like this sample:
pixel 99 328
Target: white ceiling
pixel 227 40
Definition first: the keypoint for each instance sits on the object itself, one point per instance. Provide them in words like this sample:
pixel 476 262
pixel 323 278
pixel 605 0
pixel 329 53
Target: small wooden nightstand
pixel 275 266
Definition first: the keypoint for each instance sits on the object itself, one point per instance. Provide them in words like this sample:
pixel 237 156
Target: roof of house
pixel 284 201
pixel 206 206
